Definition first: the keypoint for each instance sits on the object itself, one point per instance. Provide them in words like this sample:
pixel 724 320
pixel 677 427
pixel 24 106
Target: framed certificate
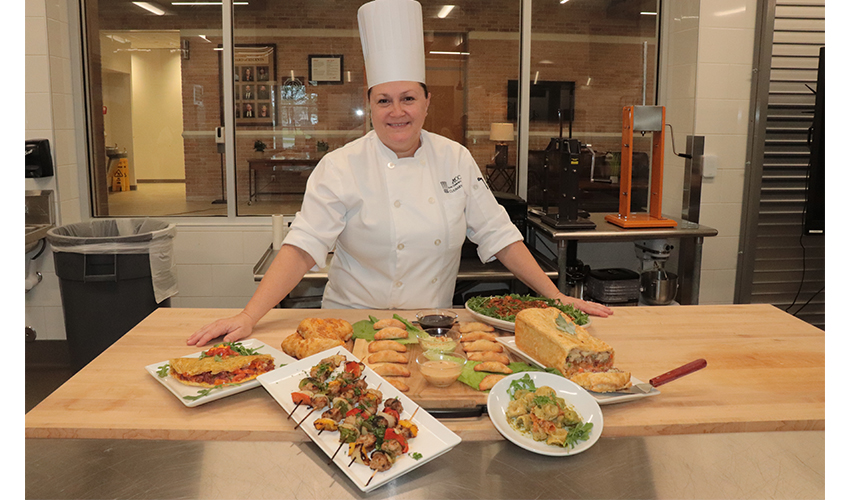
pixel 325 69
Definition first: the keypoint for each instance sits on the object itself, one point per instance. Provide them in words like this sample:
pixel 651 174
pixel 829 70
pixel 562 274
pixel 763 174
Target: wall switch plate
pixel 709 166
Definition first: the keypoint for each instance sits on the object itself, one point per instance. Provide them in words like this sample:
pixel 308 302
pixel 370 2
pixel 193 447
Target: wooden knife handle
pixel 678 372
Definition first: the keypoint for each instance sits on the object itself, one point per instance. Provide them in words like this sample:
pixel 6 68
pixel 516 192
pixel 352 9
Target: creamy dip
pixel 441 373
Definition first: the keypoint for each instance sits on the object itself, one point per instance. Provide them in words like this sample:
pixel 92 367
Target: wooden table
pixel 765 373
pixel 710 435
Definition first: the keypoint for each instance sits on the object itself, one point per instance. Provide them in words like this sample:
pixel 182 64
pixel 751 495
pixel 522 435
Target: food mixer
pixel 657 286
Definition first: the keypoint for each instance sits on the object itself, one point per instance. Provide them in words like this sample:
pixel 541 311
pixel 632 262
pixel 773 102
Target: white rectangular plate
pixel 183 391
pixel 433 439
pixel 603 398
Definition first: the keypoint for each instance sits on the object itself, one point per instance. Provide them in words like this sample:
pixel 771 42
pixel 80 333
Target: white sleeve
pixel 322 216
pixel 488 224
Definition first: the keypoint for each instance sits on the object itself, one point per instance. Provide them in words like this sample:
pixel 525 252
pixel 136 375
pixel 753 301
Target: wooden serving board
pixel 456 396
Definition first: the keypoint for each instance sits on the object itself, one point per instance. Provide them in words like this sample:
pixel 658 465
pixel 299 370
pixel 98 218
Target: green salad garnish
pixel 505 307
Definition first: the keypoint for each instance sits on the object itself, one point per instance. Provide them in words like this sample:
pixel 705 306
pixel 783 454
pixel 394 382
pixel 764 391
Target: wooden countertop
pixel 765 372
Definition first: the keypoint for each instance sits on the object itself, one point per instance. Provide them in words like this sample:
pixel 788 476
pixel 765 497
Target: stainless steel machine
pixel 657 285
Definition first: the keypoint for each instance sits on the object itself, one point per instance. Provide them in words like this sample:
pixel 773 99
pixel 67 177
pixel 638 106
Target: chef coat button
pixel 398 284
pixel 397 203
pixel 391 165
pixel 431 200
pixel 475 186
pixel 401 246
pixel 434 280
pixel 437 242
pixel 422 162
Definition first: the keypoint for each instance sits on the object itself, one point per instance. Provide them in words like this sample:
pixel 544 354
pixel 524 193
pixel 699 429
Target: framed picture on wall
pixel 325 69
pixel 255 73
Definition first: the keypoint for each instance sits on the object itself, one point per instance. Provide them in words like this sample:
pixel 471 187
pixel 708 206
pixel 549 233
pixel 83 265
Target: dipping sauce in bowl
pixel 436 318
pixel 440 369
pixel 439 339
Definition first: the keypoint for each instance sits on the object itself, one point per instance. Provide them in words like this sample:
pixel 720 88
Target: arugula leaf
pixel 523 383
pixel 162 371
pixel 565 326
pixel 416 455
pixel 580 432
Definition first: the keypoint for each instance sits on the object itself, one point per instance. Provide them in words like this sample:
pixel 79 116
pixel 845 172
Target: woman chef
pixel 395 205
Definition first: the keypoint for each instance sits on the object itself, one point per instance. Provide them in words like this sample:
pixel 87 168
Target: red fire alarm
pixel 104 110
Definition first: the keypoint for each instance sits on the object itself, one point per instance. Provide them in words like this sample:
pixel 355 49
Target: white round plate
pixel 584 404
pixel 500 323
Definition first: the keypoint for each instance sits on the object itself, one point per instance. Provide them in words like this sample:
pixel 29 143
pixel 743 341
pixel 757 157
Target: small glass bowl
pixel 436 318
pixel 441 369
pixel 439 339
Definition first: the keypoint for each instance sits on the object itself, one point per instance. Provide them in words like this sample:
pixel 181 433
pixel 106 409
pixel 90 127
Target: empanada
pixel 488 356
pixel 387 357
pixel 384 323
pixel 477 335
pixel 482 345
pixel 386 345
pixel 391 332
pixel 489 381
pixel 475 326
pixel 493 367
pixel 390 370
pixel 327 328
pixel 398 384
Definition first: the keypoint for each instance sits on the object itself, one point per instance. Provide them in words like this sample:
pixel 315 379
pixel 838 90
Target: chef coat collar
pixel 392 154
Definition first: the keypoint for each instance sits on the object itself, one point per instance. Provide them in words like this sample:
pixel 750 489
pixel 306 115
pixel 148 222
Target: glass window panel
pixel 152 110
pixel 587 60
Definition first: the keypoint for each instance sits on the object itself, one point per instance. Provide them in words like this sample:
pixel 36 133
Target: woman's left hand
pixel 591 308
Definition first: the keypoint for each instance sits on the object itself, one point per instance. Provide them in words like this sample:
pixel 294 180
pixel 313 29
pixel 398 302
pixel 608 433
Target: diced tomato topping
pixel 353 411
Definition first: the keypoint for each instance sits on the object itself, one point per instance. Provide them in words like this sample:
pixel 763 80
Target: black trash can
pixel 112 275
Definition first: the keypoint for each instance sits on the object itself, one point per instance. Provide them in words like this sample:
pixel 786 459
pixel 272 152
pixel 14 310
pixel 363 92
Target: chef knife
pixel 670 376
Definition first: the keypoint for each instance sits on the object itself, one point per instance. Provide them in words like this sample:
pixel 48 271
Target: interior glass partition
pixel 588 61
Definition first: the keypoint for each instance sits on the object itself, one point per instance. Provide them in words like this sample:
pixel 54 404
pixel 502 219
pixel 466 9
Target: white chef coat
pixel 396 225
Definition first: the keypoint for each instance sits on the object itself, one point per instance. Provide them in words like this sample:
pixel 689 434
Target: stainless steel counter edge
pixel 779 465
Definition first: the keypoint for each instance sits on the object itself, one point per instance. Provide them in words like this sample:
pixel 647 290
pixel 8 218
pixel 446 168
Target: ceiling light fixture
pixel 646 13
pixel 445 11
pixel 447 53
pixel 150 8
pixel 204 3
pixel 564 1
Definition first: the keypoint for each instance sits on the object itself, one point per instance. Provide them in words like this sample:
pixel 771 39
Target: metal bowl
pixel 658 288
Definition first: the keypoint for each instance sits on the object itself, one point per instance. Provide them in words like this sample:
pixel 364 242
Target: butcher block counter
pixel 761 397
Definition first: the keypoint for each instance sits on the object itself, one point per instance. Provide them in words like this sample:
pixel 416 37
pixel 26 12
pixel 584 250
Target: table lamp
pixel 501 133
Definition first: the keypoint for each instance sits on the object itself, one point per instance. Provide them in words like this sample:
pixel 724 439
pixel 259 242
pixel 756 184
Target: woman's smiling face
pixel 398 113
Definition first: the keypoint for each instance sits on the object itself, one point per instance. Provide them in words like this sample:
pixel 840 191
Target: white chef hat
pixel 393 44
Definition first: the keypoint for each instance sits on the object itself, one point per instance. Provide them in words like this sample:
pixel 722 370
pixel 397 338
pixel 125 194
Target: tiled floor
pixel 169 199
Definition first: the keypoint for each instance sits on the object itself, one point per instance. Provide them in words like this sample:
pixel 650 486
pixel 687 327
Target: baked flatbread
pixel 213 371
pixel 387 357
pixel 539 334
pixel 489 381
pixel 482 345
pixel 607 381
pixel 493 367
pixel 386 345
pixel 325 327
pixel 475 326
pixel 488 356
pixel 391 332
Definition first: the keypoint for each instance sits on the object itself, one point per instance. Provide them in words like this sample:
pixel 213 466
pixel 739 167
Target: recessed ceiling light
pixel 445 11
pixel 150 8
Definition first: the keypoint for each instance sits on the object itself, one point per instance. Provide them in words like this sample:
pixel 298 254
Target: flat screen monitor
pixel 545 99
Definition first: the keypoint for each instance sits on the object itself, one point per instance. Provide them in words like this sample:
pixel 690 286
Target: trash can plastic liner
pixel 125 236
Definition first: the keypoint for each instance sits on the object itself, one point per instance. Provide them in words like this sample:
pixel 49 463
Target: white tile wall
pixel 724 77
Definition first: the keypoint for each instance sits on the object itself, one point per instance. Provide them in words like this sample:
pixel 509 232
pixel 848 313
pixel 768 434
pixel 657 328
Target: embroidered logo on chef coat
pixel 455 185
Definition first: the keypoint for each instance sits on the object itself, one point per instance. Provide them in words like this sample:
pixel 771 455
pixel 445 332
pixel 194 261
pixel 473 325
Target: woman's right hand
pixel 233 328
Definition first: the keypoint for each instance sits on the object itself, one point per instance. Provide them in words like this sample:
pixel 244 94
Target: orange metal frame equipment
pixel 626 218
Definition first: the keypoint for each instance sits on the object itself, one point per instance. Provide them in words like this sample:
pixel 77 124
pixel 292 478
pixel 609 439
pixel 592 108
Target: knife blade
pixel 664 378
